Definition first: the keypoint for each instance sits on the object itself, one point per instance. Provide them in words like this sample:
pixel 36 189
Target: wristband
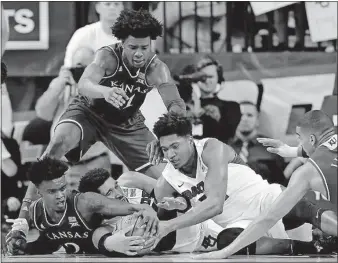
pixel 102 249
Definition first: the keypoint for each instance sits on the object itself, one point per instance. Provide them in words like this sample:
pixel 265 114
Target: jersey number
pixel 335 161
pixel 129 102
pixel 71 248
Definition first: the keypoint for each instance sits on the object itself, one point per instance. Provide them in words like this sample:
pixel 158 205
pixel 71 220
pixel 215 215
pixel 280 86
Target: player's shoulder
pixel 211 144
pixel 106 58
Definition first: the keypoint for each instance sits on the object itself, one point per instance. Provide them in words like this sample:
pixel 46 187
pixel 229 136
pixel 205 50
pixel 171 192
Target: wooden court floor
pixel 166 258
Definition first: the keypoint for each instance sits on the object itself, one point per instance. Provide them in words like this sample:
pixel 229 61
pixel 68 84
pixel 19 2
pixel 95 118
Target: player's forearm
pixel 31 195
pixel 171 98
pixel 46 105
pixel 89 89
pixel 202 212
pixel 251 234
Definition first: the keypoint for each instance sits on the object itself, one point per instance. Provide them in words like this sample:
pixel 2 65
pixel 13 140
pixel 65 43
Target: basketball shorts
pixel 128 141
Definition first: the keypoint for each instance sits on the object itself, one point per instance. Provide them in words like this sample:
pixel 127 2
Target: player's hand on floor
pixel 16 241
pixel 154 152
pixel 212 255
pixel 116 97
pixel 121 243
pixel 276 146
pixel 172 203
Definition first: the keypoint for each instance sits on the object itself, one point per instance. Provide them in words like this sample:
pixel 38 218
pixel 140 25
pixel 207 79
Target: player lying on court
pixel 121 234
pixel 113 235
pixel 67 218
pixel 318 139
pixel 231 194
pixel 111 91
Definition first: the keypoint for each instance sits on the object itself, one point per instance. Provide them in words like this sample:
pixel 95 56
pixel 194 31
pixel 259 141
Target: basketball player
pixel 66 218
pixel 138 188
pixel 112 90
pixel 202 171
pixel 318 139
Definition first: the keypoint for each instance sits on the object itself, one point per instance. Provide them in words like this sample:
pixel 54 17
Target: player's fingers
pixel 139 241
pixel 272 150
pixel 122 93
pixel 130 253
pixel 148 227
pixel 268 142
pixel 152 152
pixel 148 148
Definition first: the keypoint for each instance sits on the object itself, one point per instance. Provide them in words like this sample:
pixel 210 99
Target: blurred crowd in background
pixel 199 32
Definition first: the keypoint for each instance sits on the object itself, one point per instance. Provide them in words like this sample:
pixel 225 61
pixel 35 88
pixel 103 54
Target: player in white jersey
pixel 136 188
pixel 202 171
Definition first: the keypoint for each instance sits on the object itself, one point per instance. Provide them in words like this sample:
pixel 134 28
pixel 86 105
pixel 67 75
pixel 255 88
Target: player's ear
pixel 313 139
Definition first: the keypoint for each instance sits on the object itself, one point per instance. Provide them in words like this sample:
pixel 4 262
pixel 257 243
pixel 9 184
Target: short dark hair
pixel 316 121
pixel 93 179
pixel 247 102
pixel 46 169
pixel 139 24
pixel 172 124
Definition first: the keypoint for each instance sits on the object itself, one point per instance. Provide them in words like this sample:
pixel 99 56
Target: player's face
pixel 109 11
pixel 249 119
pixel 111 189
pixel 306 140
pixel 176 149
pixel 54 193
pixel 136 51
pixel 210 84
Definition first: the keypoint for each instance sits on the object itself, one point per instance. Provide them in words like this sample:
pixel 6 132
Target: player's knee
pixel 227 236
pixel 66 135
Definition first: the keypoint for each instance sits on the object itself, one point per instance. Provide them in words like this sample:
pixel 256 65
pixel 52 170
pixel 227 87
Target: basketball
pixel 137 229
pixel 129 221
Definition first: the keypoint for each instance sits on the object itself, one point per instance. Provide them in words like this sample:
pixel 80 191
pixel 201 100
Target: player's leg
pixel 209 233
pixel 264 245
pixel 321 214
pixel 73 136
pixel 129 142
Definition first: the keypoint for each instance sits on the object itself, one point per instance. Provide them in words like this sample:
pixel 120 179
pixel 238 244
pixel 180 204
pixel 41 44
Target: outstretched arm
pixel 160 77
pixel 215 158
pixel 297 188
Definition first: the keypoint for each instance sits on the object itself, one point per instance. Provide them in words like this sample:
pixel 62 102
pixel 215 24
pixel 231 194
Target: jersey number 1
pixel 129 102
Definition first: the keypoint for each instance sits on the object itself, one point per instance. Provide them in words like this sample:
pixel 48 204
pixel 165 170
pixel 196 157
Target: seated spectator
pixel 95 35
pixel 187 22
pixel 52 104
pixel 268 165
pixel 219 118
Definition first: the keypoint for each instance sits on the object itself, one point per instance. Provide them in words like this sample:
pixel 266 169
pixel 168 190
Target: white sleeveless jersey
pixel 243 182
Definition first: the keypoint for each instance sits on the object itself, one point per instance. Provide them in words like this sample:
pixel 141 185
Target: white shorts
pixel 254 208
pixel 198 238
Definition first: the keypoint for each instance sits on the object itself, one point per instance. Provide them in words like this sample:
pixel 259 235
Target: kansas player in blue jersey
pixel 318 141
pixel 64 218
pixel 111 91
